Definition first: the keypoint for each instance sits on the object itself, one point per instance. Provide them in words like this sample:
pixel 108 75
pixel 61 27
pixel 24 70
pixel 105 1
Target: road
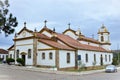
pixel 7 73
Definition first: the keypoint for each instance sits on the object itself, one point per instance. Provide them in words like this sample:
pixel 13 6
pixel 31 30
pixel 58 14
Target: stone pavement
pixel 50 70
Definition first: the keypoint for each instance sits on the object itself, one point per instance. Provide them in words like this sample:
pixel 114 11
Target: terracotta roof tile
pixel 39 35
pixel 75 44
pixel 89 39
pixel 55 44
pixel 2 51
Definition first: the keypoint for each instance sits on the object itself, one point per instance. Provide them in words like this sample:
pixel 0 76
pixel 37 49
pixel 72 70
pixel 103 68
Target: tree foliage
pixel 7 21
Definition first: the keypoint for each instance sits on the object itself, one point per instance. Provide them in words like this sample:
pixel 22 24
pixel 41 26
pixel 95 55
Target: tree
pixel 7 21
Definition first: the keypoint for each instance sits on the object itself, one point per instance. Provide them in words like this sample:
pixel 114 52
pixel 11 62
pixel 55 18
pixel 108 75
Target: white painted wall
pixel 24 42
pixel 47 33
pixel 46 61
pixel 24 34
pixel 63 59
pixel 23 46
pixel 11 52
pixel 71 34
pixel 91 57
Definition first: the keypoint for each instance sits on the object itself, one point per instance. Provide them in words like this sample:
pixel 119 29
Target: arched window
pixel 29 53
pixel 94 57
pixel 102 38
pixel 50 55
pixel 17 54
pixel 86 55
pixel 43 55
pixel 68 57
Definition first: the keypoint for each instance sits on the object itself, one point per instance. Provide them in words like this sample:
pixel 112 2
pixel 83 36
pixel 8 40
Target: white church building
pixel 47 48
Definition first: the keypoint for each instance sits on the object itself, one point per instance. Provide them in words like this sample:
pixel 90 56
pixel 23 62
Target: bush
pixel 21 61
pixel 115 61
pixel 9 60
pixel 1 59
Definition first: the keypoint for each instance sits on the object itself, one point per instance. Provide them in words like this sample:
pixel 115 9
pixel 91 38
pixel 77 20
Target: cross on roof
pixel 24 24
pixel 69 25
pixel 45 22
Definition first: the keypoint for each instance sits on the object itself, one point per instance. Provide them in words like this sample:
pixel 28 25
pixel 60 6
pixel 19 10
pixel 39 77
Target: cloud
pixel 88 15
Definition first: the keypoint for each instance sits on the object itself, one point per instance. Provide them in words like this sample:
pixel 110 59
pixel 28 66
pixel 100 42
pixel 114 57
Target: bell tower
pixel 103 37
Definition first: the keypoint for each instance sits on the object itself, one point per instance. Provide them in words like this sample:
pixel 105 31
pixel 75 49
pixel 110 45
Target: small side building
pixel 3 54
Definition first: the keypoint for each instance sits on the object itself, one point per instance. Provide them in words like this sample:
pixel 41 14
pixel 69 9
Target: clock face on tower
pixel 24 34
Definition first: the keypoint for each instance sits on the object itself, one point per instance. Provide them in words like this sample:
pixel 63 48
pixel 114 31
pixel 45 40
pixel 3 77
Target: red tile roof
pixel 56 44
pixel 39 35
pixel 2 51
pixel 88 39
pixel 75 44
pixel 83 38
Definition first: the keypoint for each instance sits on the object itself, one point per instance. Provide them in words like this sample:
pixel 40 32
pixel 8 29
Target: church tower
pixel 103 37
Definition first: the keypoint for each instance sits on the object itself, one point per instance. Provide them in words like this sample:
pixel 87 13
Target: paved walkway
pixel 50 70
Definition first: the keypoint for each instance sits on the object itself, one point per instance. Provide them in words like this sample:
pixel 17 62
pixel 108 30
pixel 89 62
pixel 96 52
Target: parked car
pixel 111 68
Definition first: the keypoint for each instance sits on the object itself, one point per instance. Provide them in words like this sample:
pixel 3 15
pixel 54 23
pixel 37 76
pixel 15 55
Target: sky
pixel 86 15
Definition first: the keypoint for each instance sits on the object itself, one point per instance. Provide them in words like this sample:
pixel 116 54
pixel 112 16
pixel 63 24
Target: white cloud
pixel 83 14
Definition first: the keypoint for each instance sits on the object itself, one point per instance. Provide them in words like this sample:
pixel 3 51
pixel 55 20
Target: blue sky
pixel 88 15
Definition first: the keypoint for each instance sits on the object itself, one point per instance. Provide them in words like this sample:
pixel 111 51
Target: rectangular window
pixel 79 57
pixel 43 55
pixel 50 55
pixel 29 53
pixel 109 58
pixel 3 57
pixel 68 57
pixel 17 54
pixel 86 55
pixel 106 58
pixel 94 57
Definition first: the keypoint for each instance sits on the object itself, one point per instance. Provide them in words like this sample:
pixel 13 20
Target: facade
pixel 48 48
pixel 3 54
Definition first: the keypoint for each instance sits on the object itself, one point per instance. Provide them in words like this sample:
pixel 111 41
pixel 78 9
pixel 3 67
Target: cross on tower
pixel 45 22
pixel 24 24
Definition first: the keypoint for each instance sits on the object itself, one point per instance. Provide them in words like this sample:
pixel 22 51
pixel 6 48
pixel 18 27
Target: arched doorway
pixel 101 60
pixel 23 56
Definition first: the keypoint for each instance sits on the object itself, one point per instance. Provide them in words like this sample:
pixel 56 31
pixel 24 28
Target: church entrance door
pixel 23 57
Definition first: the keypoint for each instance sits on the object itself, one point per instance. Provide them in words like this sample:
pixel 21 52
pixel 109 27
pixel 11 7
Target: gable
pixel 24 34
pixel 47 33
pixel 71 34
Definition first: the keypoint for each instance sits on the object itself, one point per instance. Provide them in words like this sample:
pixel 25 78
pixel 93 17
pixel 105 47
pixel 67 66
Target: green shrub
pixel 1 59
pixel 9 60
pixel 21 61
pixel 115 61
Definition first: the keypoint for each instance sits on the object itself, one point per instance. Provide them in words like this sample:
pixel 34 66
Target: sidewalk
pixel 50 70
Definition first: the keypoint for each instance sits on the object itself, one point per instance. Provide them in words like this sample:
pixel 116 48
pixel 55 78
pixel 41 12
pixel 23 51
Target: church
pixel 67 50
